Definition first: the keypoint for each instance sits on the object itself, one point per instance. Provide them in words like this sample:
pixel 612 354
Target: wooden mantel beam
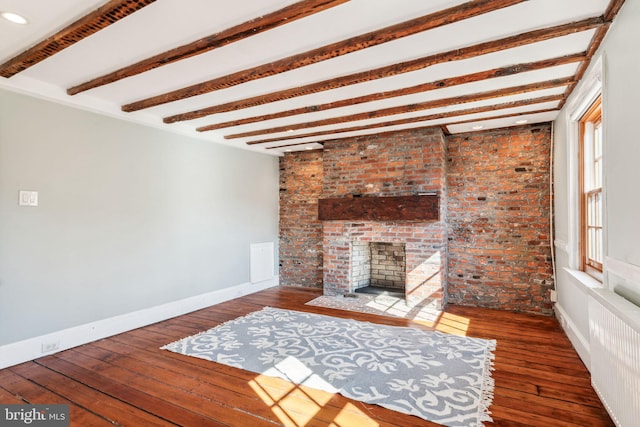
pixel 392 208
pixel 443 17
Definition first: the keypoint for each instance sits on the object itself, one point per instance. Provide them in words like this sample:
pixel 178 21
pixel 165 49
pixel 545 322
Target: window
pixel 591 227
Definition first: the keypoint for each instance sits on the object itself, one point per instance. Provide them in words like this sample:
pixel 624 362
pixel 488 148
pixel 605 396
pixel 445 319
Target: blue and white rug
pixel 438 377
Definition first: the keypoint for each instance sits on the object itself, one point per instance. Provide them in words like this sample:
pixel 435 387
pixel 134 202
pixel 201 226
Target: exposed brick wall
pixel 300 231
pixel 497 210
pixel 498 219
pixel 389 164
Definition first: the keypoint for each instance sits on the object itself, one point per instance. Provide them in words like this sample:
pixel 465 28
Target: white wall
pixel 129 217
pixel 621 101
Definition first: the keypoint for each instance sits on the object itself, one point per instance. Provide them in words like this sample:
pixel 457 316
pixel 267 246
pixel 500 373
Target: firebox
pixel 378 267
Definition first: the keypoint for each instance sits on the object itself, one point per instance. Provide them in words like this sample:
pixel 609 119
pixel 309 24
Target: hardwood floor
pixel 127 380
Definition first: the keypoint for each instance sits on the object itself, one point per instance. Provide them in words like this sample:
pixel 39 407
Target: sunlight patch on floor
pixel 352 416
pixel 453 324
pixel 304 397
pixel 398 307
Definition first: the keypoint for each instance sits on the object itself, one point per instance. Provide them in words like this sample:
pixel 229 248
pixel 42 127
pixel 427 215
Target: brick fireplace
pixel 368 168
pixel 424 274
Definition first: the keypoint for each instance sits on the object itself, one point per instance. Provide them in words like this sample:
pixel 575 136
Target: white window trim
pixel 582 98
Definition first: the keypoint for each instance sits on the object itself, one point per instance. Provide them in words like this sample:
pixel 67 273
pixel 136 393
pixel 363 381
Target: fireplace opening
pixel 378 268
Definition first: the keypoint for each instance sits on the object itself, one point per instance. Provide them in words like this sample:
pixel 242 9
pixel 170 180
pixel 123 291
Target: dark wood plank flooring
pixel 127 380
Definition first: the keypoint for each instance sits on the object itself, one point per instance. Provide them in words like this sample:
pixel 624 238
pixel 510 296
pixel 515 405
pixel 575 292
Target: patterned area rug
pixel 435 376
pixel 382 305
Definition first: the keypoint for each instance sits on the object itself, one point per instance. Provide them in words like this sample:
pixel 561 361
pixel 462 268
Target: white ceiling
pixel 166 24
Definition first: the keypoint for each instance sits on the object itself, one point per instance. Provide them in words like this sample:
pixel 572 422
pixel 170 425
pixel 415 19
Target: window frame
pixel 591 190
pixel 586 92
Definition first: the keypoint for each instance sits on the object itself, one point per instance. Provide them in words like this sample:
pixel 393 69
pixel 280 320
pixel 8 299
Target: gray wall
pixel 621 95
pixel 621 112
pixel 129 217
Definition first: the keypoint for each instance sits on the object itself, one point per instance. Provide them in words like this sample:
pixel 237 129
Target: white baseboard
pixel 32 348
pixel 579 341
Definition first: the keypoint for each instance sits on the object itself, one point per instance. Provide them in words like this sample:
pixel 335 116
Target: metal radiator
pixel 614 331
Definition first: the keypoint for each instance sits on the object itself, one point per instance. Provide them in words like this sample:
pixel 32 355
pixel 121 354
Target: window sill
pixel 584 279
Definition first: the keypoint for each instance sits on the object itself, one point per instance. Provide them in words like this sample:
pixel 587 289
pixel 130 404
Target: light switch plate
pixel 28 198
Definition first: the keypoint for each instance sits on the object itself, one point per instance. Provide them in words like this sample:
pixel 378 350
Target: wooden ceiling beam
pixel 438 84
pixel 596 40
pixel 613 9
pixel 443 127
pixel 272 20
pixel 504 116
pixel 456 113
pixel 403 109
pixel 89 24
pixel 374 38
pixel 400 68
pixel 593 46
